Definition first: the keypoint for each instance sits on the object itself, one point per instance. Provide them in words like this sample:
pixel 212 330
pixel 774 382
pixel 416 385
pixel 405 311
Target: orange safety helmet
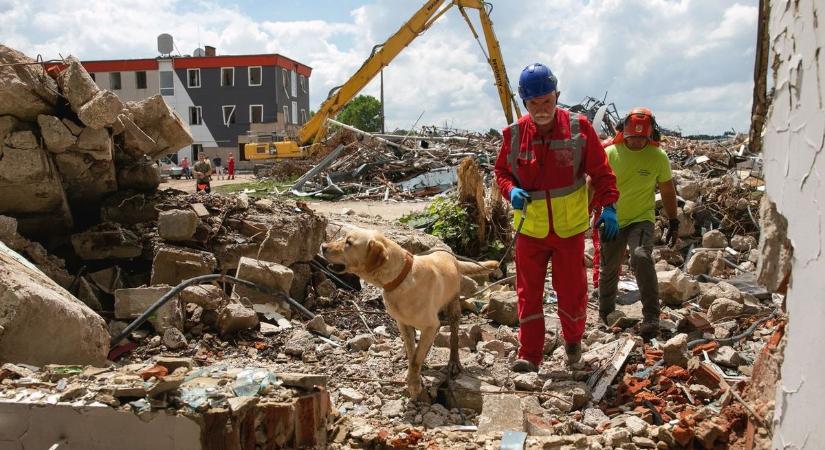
pixel 638 122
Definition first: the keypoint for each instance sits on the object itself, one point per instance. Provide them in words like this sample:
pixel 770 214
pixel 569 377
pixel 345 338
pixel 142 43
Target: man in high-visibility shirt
pixel 541 168
pixel 640 167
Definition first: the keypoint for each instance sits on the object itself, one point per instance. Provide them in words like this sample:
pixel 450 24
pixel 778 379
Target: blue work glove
pixel 611 223
pixel 517 198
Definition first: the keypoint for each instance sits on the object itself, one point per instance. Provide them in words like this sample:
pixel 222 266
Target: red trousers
pixel 569 281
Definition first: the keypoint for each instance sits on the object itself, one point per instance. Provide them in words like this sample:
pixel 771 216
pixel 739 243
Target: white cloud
pixel 689 60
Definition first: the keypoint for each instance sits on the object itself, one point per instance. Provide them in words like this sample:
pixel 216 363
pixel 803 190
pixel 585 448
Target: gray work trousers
pixel 638 237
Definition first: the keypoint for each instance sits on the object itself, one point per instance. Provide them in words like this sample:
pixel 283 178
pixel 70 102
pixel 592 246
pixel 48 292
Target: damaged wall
pixel 794 139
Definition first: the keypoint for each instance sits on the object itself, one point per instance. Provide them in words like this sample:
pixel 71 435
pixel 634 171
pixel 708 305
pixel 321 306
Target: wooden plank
pixel 612 369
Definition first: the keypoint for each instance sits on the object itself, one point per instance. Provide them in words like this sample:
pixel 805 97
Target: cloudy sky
pixel 689 60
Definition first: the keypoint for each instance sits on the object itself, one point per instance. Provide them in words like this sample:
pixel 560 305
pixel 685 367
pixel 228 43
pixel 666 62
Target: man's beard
pixel 543 119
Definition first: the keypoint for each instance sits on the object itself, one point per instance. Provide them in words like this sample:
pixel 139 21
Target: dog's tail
pixel 476 268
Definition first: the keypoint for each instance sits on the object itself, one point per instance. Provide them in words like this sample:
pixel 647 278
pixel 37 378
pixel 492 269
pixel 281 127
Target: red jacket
pixel 550 169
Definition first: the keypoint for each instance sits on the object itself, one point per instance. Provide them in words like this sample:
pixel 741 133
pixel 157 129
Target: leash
pixel 518 230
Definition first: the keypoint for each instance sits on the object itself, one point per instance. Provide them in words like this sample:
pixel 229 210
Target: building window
pixel 285 80
pixel 303 80
pixel 228 114
pixel 197 149
pixel 227 76
pixel 256 113
pixel 194 78
pixel 303 116
pixel 255 75
pixel 93 76
pixel 286 114
pixel 140 79
pixel 293 82
pixel 114 81
pixel 167 83
pixel 195 115
pixel 294 112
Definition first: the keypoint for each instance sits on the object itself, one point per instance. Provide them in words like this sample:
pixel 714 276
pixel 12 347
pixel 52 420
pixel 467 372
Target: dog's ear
pixel 376 255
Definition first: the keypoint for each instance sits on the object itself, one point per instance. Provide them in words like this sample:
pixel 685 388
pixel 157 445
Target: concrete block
pixel 177 224
pixel 24 140
pixel 56 135
pixel 500 413
pixel 36 313
pixel 208 296
pixel 106 241
pixel 159 123
pixel 173 265
pixel 76 84
pixel 264 273
pixel 235 317
pixel 26 91
pixel 503 308
pixel 131 303
pixel 101 111
pixel 87 180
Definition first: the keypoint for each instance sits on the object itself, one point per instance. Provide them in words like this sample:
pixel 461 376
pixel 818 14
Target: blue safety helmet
pixel 536 80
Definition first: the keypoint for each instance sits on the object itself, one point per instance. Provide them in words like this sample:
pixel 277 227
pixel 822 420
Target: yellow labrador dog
pixel 416 288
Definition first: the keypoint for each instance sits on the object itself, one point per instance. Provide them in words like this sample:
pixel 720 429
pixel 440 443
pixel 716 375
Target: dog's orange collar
pixel 408 262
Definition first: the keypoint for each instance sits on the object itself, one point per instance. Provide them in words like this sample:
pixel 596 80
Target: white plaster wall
pixel 25 426
pixel 794 168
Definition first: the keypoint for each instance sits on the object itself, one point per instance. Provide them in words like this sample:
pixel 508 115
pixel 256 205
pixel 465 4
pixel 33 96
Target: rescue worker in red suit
pixel 541 167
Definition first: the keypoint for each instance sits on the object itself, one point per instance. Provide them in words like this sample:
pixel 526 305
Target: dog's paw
pixel 414 386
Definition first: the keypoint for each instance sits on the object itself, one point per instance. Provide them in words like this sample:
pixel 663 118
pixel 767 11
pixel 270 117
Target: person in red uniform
pixel 542 167
pixel 230 167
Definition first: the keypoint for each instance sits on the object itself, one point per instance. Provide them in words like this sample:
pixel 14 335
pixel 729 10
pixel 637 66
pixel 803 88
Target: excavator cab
pixel 271 146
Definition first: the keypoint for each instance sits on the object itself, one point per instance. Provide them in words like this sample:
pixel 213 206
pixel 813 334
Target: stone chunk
pixel 318 325
pixel 723 308
pixel 675 287
pixel 472 390
pixel 173 363
pixel 76 84
pixel 774 265
pixel 699 263
pixel 207 296
pixel 55 133
pixel 714 239
pixel 106 241
pixel 267 274
pixel 393 408
pixel 95 142
pixel 26 91
pixel 23 140
pixel 528 381
pixel 728 357
pixel 101 111
pixel 500 413
pixel 723 289
pixel 503 308
pixel 43 323
pixel 676 351
pixel 569 395
pixel 157 121
pixel 743 243
pixel 131 303
pixel 173 339
pixel 594 417
pixel 177 224
pixel 234 317
pixel 302 380
pixel 361 342
pixel 636 426
pixel 173 265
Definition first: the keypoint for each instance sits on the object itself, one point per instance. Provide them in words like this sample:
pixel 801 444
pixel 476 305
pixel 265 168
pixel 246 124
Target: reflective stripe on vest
pixel 569 203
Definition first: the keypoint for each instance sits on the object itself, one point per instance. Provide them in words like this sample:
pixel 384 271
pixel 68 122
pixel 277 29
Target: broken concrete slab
pixel 129 207
pixel 131 303
pixel 470 392
pixel 28 300
pixel 743 243
pixel 724 308
pixel 676 351
pixel 568 395
pixel 172 265
pixel 160 123
pixel 728 357
pixel 267 274
pixel 106 241
pixel 318 325
pixel 361 342
pixel 86 179
pixel 304 381
pixel 500 413
pixel 56 135
pixel 95 142
pixel 714 239
pixel 675 287
pixel 207 296
pixel 141 176
pixel 722 289
pixel 774 266
pixel 76 84
pixel 101 110
pixel 503 308
pixel 31 190
pixel 26 90
pixel 23 140
pixel 235 317
pixel 699 263
pixel 177 224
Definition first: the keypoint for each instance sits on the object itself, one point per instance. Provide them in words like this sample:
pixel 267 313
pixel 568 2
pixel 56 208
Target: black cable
pixel 197 280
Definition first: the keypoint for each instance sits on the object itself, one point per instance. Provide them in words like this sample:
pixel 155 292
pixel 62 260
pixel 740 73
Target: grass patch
pixel 257 188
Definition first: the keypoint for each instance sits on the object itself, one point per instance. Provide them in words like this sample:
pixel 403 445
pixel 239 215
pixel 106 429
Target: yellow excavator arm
pixel 381 56
pixel 384 53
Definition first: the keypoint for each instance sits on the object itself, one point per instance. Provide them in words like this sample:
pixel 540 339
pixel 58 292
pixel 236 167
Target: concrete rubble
pixel 248 367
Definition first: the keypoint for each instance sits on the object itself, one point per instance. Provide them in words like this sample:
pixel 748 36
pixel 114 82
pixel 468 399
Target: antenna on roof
pixel 165 44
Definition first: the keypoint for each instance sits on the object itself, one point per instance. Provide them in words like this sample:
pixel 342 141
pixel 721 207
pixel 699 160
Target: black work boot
pixel 649 329
pixel 523 366
pixel 573 351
